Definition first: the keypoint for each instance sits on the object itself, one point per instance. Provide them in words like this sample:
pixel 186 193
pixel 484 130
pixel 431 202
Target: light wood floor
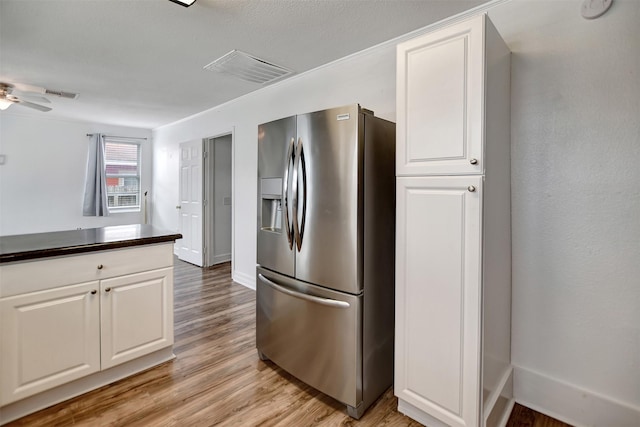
pixel 217 378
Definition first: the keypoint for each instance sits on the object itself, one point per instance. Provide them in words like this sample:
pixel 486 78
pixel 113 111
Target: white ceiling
pixel 139 62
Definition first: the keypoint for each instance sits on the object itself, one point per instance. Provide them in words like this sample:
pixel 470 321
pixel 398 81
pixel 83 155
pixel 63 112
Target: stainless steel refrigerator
pixel 325 274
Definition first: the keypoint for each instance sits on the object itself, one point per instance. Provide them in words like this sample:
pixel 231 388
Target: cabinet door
pixel 438 297
pixel 48 338
pixel 136 315
pixel 440 96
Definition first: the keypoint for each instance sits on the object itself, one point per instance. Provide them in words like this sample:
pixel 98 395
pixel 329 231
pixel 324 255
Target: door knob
pixel 178 207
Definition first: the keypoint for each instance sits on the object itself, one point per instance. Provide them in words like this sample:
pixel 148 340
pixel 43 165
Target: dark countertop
pixel 42 245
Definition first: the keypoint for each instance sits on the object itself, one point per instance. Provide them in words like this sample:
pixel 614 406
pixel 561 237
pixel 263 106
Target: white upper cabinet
pixel 440 99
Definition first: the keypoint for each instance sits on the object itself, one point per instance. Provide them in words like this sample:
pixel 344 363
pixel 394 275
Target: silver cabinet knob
pixel 473 161
pixel 93 292
pixel 107 290
pixel 471 188
pixel 100 266
pixel 178 207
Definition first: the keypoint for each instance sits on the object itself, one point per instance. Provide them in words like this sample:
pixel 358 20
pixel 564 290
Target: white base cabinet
pixel 48 338
pixel 438 298
pixel 453 241
pixel 136 315
pixel 56 332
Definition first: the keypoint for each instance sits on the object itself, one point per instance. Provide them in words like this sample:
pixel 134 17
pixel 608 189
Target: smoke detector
pixel 247 67
pixel 592 9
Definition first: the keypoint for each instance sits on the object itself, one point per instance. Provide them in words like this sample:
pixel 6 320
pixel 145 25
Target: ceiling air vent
pixel 247 67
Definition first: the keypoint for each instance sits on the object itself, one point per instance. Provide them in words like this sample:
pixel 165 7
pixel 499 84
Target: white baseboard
pixel 499 403
pixel 497 409
pixel 219 259
pixel 244 279
pixel 416 414
pixel 571 404
pixel 66 391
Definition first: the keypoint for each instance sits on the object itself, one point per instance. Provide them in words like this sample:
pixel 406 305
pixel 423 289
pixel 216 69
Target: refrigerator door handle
pixel 294 201
pixel 285 191
pixel 318 300
pixel 299 165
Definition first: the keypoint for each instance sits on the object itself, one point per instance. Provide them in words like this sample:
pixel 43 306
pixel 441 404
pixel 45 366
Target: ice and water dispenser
pixel 271 194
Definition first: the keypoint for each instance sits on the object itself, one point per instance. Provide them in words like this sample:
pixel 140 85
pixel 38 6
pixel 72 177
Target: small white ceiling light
pixel 247 67
pixel 185 3
pixel 5 103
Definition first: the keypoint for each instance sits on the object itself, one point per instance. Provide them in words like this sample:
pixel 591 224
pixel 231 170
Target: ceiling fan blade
pixel 32 98
pixel 28 88
pixel 32 105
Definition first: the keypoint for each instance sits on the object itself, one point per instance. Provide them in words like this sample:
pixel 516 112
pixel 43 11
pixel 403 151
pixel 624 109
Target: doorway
pixel 218 200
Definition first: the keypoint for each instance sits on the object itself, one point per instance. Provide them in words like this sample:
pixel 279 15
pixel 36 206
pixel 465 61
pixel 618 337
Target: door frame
pixel 208 193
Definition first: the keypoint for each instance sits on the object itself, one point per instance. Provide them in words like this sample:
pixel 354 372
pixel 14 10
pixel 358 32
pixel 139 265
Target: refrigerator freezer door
pixel 312 333
pixel 330 240
pixel 275 164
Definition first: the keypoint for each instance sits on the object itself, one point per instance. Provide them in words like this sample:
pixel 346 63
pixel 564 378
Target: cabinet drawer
pixel 30 276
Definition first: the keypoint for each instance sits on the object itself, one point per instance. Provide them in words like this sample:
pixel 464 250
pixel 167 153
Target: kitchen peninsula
pixel 80 309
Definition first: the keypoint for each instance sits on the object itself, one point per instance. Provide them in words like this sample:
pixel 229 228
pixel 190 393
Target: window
pixel 122 164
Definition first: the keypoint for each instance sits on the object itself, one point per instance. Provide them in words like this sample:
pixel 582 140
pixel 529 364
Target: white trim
pixel 233 200
pixel 507 413
pixel 503 389
pixel 570 403
pixel 208 213
pixel 83 385
pixel 491 400
pixel 219 259
pixel 483 8
pixel 244 279
pixel 416 414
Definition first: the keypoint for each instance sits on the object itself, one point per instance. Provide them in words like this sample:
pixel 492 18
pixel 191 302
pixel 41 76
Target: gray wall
pixel 42 180
pixel 575 196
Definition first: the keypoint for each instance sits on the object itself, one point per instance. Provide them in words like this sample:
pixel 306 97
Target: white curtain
pixel 95 187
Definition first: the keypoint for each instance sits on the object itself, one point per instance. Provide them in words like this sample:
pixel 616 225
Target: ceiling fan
pixel 8 96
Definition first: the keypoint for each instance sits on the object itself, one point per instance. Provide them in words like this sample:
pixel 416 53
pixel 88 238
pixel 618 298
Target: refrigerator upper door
pixel 328 227
pixel 275 222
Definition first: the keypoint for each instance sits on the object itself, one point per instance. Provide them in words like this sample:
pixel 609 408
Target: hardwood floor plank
pixel 217 377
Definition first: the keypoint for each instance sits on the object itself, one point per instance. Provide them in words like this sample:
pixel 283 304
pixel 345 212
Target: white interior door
pixel 190 207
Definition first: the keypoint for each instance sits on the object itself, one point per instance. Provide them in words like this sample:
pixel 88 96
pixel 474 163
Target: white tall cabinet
pixel 453 234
